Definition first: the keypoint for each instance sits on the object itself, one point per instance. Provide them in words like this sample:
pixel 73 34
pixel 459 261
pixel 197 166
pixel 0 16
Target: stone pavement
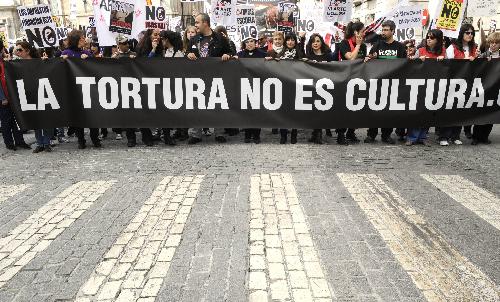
pixel 246 222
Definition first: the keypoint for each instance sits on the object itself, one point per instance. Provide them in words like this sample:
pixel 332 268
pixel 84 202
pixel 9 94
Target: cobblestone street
pixel 251 222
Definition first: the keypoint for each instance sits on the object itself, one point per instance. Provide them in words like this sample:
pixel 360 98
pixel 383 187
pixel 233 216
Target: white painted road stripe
pixel 435 266
pixel 137 263
pixel 38 231
pixel 284 264
pixel 8 191
pixel 483 203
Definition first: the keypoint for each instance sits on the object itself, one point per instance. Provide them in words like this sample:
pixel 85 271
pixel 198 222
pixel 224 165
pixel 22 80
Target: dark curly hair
pixel 74 38
pixel 174 38
pixel 324 48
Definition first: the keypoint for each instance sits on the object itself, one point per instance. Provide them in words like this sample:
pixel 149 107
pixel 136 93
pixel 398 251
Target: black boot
pixel 341 140
pixel 283 139
pixel 293 138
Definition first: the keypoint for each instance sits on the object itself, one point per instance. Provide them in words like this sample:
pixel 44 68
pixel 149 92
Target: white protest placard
pixel 102 15
pixel 337 10
pixel 175 24
pixel 39 26
pixel 483 8
pixel 408 17
pixel 248 31
pixel 245 14
pixel 62 33
pixel 224 12
pixel 156 17
pixel 122 16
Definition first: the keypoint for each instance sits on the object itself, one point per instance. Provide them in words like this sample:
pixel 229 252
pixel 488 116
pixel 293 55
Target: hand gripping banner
pixel 252 93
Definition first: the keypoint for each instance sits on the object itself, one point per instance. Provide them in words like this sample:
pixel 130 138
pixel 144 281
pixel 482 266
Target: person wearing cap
pixel 123 48
pixel 249 50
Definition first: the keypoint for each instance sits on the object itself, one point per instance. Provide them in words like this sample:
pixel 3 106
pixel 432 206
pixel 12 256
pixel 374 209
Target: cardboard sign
pixel 337 10
pixel 224 12
pixel 39 26
pixel 483 8
pixel 248 31
pixel 62 33
pixel 408 17
pixel 286 12
pixel 122 17
pixel 102 9
pixel 245 14
pixel 449 17
pixel 156 17
pixel 3 37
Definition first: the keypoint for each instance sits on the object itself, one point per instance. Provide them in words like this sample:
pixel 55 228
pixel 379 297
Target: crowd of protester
pixel 200 41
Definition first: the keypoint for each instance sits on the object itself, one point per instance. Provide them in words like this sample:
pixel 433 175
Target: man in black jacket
pixel 207 43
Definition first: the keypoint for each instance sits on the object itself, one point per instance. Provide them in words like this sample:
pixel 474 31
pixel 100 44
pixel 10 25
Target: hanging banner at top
pixel 39 26
pixel 337 10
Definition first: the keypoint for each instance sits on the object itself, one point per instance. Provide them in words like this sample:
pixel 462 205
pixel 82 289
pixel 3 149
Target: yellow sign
pixel 450 14
pixel 3 37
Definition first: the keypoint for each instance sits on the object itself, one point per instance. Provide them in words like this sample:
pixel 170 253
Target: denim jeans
pixel 43 137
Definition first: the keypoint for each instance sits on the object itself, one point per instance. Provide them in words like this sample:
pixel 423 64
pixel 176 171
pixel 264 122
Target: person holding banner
pixel 480 133
pixel 292 50
pixel 433 48
pixel 463 48
pixel 207 43
pixel 385 48
pixel 250 50
pixel 172 44
pixel 317 51
pixel 277 47
pixel 75 49
pixel 10 131
pixel 25 51
pixel 351 48
pixel 189 33
pixel 149 46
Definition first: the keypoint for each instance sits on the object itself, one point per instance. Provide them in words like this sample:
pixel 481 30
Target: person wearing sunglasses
pixel 432 48
pixel 463 48
pixel 10 131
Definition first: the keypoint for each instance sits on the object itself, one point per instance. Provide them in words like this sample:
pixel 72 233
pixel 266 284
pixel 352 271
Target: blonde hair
pixel 185 41
pixel 279 33
pixel 493 37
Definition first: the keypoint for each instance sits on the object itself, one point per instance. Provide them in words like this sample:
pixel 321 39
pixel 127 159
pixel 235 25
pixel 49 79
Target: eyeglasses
pixel 469 33
pixel 19 50
pixel 430 38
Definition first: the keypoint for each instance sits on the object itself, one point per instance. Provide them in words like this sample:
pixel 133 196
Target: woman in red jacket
pixel 12 136
pixel 433 49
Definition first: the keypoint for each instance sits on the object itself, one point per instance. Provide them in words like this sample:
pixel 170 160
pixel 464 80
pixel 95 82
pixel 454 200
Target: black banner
pixel 253 93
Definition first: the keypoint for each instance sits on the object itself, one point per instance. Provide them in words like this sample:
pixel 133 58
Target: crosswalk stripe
pixel 483 203
pixel 284 264
pixel 38 231
pixel 8 191
pixel 435 266
pixel 135 266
